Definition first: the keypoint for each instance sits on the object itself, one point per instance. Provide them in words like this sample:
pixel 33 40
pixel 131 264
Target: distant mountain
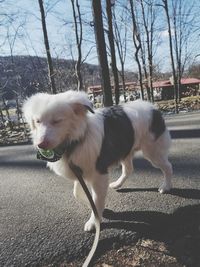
pixel 25 75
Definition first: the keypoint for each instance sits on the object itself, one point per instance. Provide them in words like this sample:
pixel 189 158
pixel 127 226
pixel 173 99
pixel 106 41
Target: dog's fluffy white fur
pixel 54 119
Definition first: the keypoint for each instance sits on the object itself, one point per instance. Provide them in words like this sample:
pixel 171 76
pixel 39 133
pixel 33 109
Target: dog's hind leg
pixel 127 169
pixel 165 166
pixel 159 159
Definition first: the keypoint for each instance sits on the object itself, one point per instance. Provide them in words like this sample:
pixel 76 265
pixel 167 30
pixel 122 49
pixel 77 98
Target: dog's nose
pixel 44 144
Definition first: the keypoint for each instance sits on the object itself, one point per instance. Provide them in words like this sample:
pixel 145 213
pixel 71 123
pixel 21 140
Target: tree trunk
pixel 121 45
pixel 46 42
pixel 145 75
pixel 171 56
pixel 112 51
pixel 79 38
pixel 147 19
pixel 7 114
pixel 123 82
pixel 101 51
pixel 137 44
pixel 178 47
pixel 2 117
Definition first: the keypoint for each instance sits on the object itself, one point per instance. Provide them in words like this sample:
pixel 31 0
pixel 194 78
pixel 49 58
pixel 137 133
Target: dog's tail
pixel 157 126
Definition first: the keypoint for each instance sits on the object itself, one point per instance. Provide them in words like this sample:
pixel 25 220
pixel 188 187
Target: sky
pixel 59 27
pixel 61 32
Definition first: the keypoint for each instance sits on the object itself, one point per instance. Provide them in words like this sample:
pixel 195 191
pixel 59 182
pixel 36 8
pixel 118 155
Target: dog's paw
pixel 89 226
pixel 164 188
pixel 115 185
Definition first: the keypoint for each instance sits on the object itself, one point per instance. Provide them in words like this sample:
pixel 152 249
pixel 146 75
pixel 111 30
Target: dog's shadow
pixel 133 225
pixel 148 221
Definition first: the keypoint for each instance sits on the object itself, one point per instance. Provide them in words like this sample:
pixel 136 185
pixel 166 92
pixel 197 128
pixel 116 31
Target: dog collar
pixel 53 155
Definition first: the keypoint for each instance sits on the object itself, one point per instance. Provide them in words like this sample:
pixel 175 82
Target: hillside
pixel 25 75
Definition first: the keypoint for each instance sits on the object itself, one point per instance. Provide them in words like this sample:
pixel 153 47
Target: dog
pixel 94 141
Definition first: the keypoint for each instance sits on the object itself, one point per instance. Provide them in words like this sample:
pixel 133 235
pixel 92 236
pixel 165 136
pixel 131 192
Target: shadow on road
pixel 20 158
pixel 185 193
pixel 180 230
pixel 184 166
pixel 185 133
pixel 154 223
pixel 30 164
pixel 183 163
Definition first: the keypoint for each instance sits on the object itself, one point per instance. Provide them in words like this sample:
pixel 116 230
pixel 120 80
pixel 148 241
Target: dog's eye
pixel 56 121
pixel 38 121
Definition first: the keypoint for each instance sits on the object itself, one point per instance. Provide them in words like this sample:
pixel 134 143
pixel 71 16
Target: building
pixel 164 89
pixel 189 86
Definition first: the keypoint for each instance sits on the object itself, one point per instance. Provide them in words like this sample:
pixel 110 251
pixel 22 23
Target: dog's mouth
pixel 51 155
pixel 56 153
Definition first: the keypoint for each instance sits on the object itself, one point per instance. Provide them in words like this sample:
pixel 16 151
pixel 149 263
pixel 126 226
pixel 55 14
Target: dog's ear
pixel 79 108
pixel 79 101
pixel 89 107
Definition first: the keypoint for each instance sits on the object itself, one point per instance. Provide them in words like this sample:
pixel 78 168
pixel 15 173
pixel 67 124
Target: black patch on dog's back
pixel 118 138
pixel 158 124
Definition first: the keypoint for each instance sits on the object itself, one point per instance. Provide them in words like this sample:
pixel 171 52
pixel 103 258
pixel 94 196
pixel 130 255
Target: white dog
pixel 95 141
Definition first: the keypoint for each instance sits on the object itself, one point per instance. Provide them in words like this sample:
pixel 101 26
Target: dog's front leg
pixel 79 193
pixel 99 187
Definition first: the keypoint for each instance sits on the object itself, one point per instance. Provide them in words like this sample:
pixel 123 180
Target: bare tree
pixel 148 23
pixel 138 46
pixel 120 37
pixel 6 108
pixel 182 22
pixel 11 37
pixel 46 42
pixel 101 51
pixel 166 9
pixel 79 38
pixel 112 50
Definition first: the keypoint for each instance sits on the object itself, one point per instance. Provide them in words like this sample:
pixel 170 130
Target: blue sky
pixel 61 32
pixel 59 27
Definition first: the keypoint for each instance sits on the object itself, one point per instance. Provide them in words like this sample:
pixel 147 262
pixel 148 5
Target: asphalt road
pixel 41 223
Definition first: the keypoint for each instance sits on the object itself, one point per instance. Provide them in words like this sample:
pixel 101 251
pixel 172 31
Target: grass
pixel 190 103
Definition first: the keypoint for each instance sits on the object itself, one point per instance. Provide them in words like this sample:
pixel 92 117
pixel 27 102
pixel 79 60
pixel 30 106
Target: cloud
pixel 165 33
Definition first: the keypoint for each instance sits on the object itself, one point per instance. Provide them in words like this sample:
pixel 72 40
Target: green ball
pixel 47 153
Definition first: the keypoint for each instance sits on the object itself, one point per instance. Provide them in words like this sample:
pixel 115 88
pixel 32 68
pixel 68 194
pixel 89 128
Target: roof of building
pixel 157 84
pixel 167 83
pixel 190 80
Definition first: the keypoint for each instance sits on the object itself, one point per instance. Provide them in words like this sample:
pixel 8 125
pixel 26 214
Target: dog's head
pixel 56 118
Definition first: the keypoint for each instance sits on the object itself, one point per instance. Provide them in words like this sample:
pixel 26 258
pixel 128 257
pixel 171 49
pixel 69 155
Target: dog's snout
pixel 44 144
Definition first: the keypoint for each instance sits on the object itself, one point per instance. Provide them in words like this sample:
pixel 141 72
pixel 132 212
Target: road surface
pixel 41 223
